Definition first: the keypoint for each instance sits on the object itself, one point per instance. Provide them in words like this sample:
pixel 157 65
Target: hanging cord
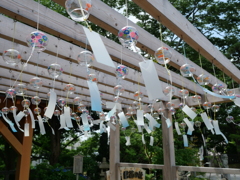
pixel 85 20
pixel 214 73
pixel 126 2
pixel 54 78
pixel 168 71
pixel 38 16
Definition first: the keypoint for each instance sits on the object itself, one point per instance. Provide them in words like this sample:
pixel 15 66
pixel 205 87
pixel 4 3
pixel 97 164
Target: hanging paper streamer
pixel 111 105
pixel 189 124
pixel 9 122
pixel 189 132
pixel 85 133
pixel 201 150
pixel 151 80
pixel 33 48
pixel 128 143
pixel 51 104
pixel 101 127
pixel 41 125
pixel 151 140
pixel 147 128
pixel 204 142
pixel 206 121
pixel 139 127
pixel 217 130
pixel 96 102
pixel 16 121
pixel 32 118
pixel 152 121
pixel 86 126
pixel 62 121
pixel 68 117
pixel 140 120
pixel 53 132
pixel 177 128
pixel 98 48
pixel 111 126
pixel 19 116
pixel 169 123
pixel 189 112
pixel 237 101
pixel 111 113
pixel 143 140
pixel 185 141
pixel 123 119
pixel 26 129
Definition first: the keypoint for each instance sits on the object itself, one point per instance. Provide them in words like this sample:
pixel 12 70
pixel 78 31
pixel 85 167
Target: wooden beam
pixel 169 172
pixel 170 17
pixel 109 19
pixel 114 153
pixel 208 169
pixel 24 160
pixel 8 135
pixel 67 29
pixel 139 165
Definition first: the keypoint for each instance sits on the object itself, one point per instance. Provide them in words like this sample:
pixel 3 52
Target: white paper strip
pixel 147 128
pixel 185 141
pixel 139 127
pixel 16 121
pixel 62 121
pixel 85 133
pixel 105 129
pixel 153 122
pixel 68 117
pixel 151 140
pixel 201 150
pixel 237 101
pixel 151 80
pixel 189 132
pixel 140 120
pixel 143 140
pixel 204 142
pixel 212 131
pixel 169 123
pixel 19 116
pixel 41 125
pixel 177 128
pixel 217 130
pixel 123 119
pixel 51 104
pixel 189 112
pixel 96 102
pixel 26 129
pixel 128 143
pixel 32 118
pixel 9 122
pixel 85 122
pixel 111 126
pixel 111 113
pixel 53 132
pixel 189 124
pixel 99 49
pixel 206 121
pixel 110 105
pixel 101 127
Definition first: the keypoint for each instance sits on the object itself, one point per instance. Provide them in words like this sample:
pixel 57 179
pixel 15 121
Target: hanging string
pixel 14 31
pixel 83 14
pixel 184 51
pixel 38 16
pixel 214 72
pixel 168 71
pixel 121 54
pixel 126 2
pixel 200 59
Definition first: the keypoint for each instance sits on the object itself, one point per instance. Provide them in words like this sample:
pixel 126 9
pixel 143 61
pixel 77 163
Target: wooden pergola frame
pixel 68 36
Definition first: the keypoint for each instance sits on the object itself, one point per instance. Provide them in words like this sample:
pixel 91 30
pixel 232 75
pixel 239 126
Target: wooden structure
pixel 65 36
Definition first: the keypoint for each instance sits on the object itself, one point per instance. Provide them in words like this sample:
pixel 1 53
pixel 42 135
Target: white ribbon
pixel 16 121
pixel 151 140
pixel 206 121
pixel 9 122
pixel 41 125
pixel 51 104
pixel 177 128
pixel 143 140
pixel 217 130
pixel 185 141
pixel 128 143
pixel 147 128
pixel 26 129
pixel 68 117
pixel 169 123
pixel 32 118
pixel 140 120
pixel 189 112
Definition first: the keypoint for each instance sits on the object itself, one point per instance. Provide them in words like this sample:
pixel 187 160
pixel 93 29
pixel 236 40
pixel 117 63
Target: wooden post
pixel 114 153
pixel 24 160
pixel 169 170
